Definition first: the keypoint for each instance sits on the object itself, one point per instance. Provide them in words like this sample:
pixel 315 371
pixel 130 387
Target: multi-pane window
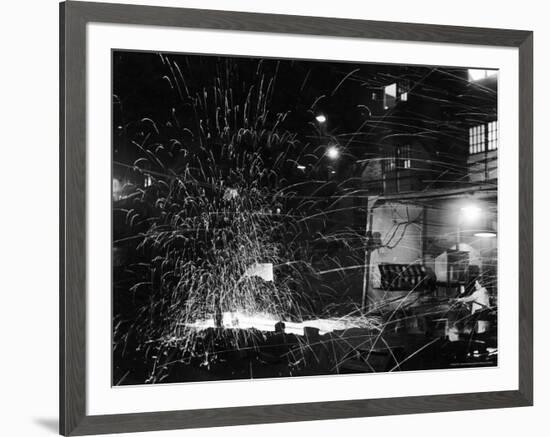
pixel 398 157
pixel 483 137
pixel 405 156
pixel 389 161
pixel 477 139
pixel 492 136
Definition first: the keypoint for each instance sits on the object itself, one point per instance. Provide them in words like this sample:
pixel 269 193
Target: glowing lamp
pixel 333 152
pixel 485 234
pixel 471 212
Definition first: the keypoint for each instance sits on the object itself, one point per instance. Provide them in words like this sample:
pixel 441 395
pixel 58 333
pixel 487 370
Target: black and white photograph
pixel 295 218
pixel 236 218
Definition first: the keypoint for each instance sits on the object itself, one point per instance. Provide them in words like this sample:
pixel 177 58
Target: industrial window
pixel 397 157
pixel 477 139
pixel 389 161
pixel 483 137
pixel 492 140
pixel 405 156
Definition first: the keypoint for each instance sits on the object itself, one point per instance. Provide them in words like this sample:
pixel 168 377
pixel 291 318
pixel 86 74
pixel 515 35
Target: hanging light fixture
pixel 487 229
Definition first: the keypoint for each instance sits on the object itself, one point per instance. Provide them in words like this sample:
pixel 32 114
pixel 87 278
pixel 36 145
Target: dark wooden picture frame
pixel 73 19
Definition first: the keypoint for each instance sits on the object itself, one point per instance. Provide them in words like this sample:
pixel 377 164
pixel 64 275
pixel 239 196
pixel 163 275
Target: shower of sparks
pixel 228 244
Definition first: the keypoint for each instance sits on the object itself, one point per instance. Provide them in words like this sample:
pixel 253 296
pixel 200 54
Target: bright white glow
pixel 485 234
pixel 391 90
pixel 475 74
pixel 266 323
pixel 117 188
pixel 471 212
pixel 301 167
pixel 333 152
pixel 261 270
pixel 390 95
pixel 321 118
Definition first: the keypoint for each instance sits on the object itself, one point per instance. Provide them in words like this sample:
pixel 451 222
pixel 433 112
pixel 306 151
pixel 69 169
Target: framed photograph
pixel 270 218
